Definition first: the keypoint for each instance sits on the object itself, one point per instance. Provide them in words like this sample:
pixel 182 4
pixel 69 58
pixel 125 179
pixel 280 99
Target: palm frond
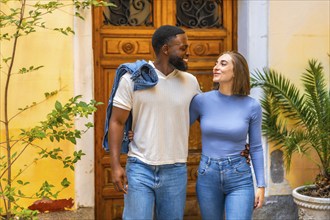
pixel 272 126
pixel 289 100
pixel 295 142
pixel 317 98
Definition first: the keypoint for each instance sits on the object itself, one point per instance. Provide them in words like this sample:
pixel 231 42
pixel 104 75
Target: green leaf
pixel 6 59
pixel 58 106
pixel 65 183
pixel 72 140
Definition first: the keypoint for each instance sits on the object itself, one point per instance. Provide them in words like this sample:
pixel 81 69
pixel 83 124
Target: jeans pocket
pixel 180 164
pixel 203 167
pixel 242 167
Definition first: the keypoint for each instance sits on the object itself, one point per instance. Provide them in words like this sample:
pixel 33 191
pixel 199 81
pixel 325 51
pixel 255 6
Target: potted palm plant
pixel 300 123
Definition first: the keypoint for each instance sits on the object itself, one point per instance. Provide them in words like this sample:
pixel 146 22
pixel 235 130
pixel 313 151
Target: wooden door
pixel 123 34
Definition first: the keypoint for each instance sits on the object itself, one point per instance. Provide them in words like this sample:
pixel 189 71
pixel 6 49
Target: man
pixel 156 172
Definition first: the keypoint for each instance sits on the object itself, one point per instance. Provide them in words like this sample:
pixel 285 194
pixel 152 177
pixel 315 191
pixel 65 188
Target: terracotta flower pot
pixel 311 207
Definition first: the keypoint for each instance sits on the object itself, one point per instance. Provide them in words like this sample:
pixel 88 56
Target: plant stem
pixel 12 162
pixel 23 2
pixel 29 107
pixel 4 199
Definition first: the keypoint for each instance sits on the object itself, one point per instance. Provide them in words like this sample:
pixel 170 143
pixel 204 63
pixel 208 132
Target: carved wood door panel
pixel 123 34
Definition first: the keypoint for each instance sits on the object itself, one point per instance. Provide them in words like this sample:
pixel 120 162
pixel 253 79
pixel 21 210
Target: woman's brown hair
pixel 241 85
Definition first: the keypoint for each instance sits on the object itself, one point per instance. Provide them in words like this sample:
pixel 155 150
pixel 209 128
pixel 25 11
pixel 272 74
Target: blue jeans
pixel 225 187
pixel 155 191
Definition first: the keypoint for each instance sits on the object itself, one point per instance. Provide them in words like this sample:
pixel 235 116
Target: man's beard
pixel 178 63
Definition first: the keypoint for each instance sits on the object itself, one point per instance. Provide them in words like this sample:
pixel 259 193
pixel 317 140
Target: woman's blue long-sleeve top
pixel 226 124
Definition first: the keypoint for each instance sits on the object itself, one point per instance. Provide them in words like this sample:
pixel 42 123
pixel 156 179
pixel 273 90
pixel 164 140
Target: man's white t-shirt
pixel 160 116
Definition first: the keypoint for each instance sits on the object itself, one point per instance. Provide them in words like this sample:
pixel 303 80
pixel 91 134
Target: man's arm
pixel 116 130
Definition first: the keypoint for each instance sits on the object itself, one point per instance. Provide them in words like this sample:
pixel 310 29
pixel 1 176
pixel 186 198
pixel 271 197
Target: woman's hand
pixel 130 135
pixel 246 153
pixel 259 198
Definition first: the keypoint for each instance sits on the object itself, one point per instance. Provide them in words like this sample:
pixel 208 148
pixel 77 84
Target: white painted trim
pixel 253 32
pixel 84 85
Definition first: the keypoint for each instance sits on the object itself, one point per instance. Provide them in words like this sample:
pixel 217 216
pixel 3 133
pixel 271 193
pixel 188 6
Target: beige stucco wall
pixel 54 51
pixel 298 31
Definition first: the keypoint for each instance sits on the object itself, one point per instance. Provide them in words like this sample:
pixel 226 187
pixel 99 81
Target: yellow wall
pixel 299 31
pixel 54 51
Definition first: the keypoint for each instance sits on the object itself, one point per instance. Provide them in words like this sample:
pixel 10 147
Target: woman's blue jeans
pixel 225 187
pixel 155 191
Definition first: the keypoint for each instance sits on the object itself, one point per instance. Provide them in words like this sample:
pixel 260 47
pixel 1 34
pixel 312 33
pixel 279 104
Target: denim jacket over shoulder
pixel 144 76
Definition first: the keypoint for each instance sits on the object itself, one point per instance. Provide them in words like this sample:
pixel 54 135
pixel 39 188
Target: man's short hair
pixel 163 35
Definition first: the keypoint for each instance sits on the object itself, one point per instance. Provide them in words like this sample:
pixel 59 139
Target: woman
pixel 228 117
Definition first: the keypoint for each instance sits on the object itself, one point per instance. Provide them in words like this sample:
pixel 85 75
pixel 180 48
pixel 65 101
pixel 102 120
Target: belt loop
pixel 229 159
pixel 208 160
